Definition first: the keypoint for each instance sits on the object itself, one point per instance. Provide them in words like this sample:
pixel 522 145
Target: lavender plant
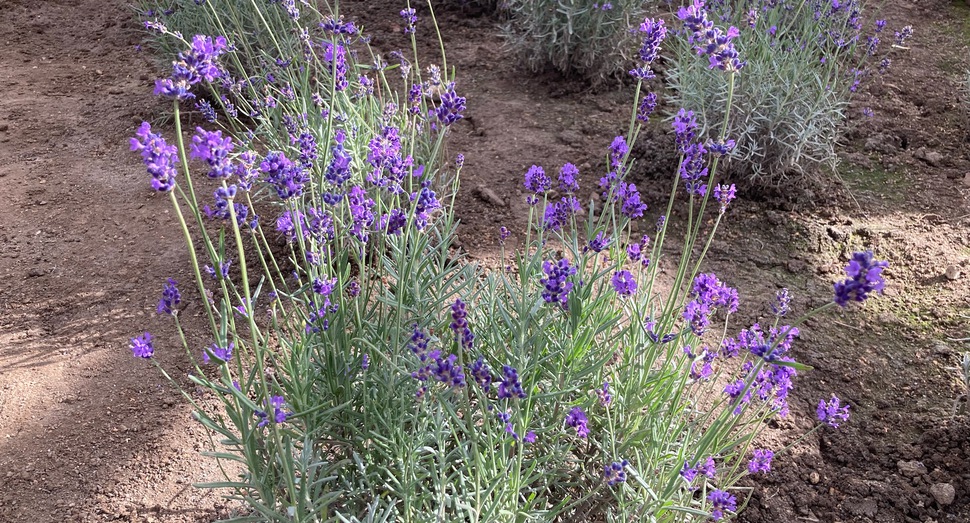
pixel 364 371
pixel 803 62
pixel 586 37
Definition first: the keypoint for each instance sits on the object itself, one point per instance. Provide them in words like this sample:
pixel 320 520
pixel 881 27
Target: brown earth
pixel 87 433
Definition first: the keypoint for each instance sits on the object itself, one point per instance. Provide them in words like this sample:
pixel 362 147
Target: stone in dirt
pixel 952 273
pixel 911 469
pixel 933 158
pixel 943 493
pixel 487 195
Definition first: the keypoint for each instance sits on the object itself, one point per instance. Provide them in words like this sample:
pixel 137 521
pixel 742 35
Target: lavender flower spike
pixel 865 277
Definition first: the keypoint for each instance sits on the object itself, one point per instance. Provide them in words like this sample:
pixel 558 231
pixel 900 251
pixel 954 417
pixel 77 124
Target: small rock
pixel 814 478
pixel 943 493
pixel 911 469
pixel 4 127
pixel 570 137
pixel 35 272
pixel 934 158
pixel 862 507
pixel 487 195
pixel 966 179
pixel 952 272
pixel 941 349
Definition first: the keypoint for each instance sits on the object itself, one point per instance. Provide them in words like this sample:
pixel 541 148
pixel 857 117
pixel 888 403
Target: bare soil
pixel 87 433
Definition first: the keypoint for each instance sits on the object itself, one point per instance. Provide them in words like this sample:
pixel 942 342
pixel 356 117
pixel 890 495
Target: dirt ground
pixel 87 433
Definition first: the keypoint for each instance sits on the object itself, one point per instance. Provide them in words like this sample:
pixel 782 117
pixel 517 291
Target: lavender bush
pixel 365 371
pixel 589 38
pixel 803 62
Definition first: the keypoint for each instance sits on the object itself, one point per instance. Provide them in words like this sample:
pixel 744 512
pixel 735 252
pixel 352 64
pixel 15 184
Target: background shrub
pixel 588 38
pixel 804 60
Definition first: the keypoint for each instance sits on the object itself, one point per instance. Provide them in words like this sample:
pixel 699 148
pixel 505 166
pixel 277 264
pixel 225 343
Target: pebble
pixel 35 272
pixel 911 469
pixel 952 273
pixel 487 195
pixel 943 493
pixel 814 478
pixel 4 127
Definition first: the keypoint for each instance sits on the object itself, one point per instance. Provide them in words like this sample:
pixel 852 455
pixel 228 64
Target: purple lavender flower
pixel 600 242
pixel 459 324
pixel 222 354
pixel 446 371
pixel 451 107
pixel 418 344
pixel 693 169
pixel 459 161
pixel 567 178
pixel 709 40
pixel 556 288
pixel 482 374
pixel 206 110
pixel 410 18
pixel 558 214
pixel 724 194
pixel 761 462
pixel 141 347
pixel 364 362
pixel 865 277
pixel 280 415
pixel 384 155
pixel 537 183
pixel 647 106
pixel 287 178
pixel 720 148
pixel 638 251
pixel 425 202
pixel 832 412
pixel 624 283
pixel 782 303
pixel 336 57
pixel 503 234
pixel 631 207
pixel 721 501
pixel 246 170
pixel 393 223
pixel 604 394
pixel 510 386
pixel 902 35
pixel 615 472
pixel 160 159
pixel 708 292
pixel 618 152
pixel 685 128
pixel 360 212
pixel 530 437
pixel 170 298
pixel 197 64
pixel 577 419
pixel 213 149
pixel 653 33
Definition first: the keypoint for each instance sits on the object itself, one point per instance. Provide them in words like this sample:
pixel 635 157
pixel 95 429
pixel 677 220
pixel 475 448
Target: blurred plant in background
pixel 804 60
pixel 588 38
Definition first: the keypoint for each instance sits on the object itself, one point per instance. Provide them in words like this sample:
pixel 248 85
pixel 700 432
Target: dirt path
pixel 86 432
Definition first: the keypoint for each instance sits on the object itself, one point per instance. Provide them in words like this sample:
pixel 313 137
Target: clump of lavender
pixel 615 472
